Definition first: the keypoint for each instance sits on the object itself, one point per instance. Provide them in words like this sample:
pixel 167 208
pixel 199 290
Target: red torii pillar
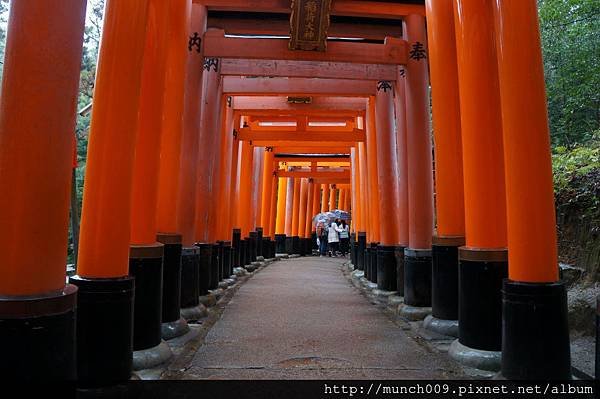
pixel 295 215
pixel 417 257
pixel 145 253
pixel 332 197
pixel 170 163
pixel 373 182
pixel 280 218
pixel 402 218
pixel 105 288
pixel 206 143
pixel 289 213
pixel 302 212
pixel 387 179
pixel 37 123
pixel 324 197
pixel 236 231
pixel 448 168
pixel 483 259
pixel 191 308
pixel 534 300
pixel 363 235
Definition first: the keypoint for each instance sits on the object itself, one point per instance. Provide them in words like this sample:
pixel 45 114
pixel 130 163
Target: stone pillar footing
pixel 194 313
pixel 475 358
pixel 413 313
pixel 444 276
pixel 441 326
pixel 174 329
pixel 151 357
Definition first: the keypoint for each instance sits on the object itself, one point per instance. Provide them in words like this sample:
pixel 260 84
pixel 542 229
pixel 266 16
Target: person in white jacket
pixel 333 237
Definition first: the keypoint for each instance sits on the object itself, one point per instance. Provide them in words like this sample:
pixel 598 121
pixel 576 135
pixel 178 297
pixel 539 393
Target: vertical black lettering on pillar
pixel 384 85
pixel 417 52
pixel 211 63
pixel 195 42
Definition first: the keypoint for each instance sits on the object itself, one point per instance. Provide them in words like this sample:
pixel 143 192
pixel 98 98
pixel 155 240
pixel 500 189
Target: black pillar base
pixel 104 330
pixel 244 252
pixel 417 277
pixel 221 255
pixel 535 331
pixel 303 243
pixel 313 241
pixel 399 256
pixel 226 271
pixel 204 264
pixel 296 245
pixel 38 337
pixel 253 246
pixel 367 262
pixel 373 263
pixel 308 246
pixel 259 242
pixel 236 238
pixel 146 266
pixel 214 267
pixel 266 247
pixel 386 268
pixel 444 277
pixel 289 246
pixel 280 240
pixel 352 250
pixel 171 303
pixel 362 245
pixel 190 292
pixel 480 274
pixel 231 252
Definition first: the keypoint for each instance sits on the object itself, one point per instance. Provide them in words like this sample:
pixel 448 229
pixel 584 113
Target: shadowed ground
pixel 302 319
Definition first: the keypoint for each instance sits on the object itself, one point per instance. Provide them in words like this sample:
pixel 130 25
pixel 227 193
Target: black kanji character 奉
pixel 211 62
pixel 384 85
pixel 418 52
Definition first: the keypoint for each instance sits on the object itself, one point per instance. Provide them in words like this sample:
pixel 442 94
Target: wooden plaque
pixel 309 22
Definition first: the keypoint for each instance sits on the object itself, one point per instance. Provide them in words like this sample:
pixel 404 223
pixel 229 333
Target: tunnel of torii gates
pixel 212 143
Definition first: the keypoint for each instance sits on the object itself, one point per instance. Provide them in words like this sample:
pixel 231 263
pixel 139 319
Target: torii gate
pixel 154 176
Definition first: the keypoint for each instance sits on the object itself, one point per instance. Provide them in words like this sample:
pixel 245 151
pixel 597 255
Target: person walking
pixel 333 238
pixel 344 237
pixel 322 233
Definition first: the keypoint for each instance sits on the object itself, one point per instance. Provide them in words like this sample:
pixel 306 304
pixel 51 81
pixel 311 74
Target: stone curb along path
pixel 185 347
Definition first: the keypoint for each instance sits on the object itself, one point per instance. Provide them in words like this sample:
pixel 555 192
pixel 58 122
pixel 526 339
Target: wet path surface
pixel 302 318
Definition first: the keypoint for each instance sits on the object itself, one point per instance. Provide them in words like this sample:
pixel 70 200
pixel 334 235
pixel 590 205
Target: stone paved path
pixel 302 319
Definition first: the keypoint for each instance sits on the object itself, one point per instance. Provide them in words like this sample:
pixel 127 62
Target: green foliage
pixel 570 31
pixel 577 179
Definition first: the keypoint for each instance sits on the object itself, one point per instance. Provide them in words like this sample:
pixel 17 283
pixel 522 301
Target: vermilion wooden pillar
pixel 170 163
pixel 245 168
pixel 191 308
pixel 402 155
pixel 280 233
pixel 257 185
pixel 289 206
pixel 217 167
pixel 365 235
pixel 332 197
pixel 316 206
pixel 37 121
pixel 267 178
pixel 295 216
pixel 273 205
pixel 417 257
pixel 105 289
pixel 342 199
pixel 448 167
pixel 482 261
pixel 146 254
pixel 206 147
pixel 371 165
pixel 302 213
pixel 222 222
pixel 533 298
pixel 355 190
pixel 387 179
pixel 324 198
